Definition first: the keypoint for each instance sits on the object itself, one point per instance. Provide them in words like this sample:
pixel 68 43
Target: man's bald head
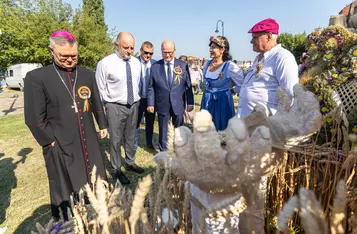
pixel 125 43
pixel 168 44
pixel 168 50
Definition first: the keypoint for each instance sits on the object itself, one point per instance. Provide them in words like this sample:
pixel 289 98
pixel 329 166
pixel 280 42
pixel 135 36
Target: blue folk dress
pixel 217 98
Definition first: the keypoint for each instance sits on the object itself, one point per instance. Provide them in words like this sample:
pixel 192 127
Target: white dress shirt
pixel 235 73
pixel 112 81
pixel 171 66
pixel 196 75
pixel 279 70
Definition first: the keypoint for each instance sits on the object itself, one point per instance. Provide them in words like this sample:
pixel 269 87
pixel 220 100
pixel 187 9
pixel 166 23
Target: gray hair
pixel 274 37
pixel 61 41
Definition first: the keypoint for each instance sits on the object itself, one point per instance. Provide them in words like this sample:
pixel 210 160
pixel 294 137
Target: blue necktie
pixel 169 74
pixel 129 84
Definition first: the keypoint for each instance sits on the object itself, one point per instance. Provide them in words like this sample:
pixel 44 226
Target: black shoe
pixel 122 178
pixel 135 168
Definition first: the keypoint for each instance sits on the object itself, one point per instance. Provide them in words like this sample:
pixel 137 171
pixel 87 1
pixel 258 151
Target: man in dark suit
pixel 169 87
pixel 146 52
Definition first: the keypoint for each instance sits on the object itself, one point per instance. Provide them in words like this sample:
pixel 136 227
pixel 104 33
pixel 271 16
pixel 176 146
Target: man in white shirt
pixel 118 78
pixel 196 76
pixel 273 67
pixel 146 52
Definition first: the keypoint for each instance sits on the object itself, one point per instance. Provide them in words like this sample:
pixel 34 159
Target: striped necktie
pixel 129 84
pixel 169 74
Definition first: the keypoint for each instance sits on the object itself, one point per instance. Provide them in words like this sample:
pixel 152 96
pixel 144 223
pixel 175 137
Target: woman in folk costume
pixel 219 74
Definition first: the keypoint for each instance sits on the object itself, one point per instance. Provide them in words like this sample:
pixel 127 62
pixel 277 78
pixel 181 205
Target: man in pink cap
pixel 60 100
pixel 273 67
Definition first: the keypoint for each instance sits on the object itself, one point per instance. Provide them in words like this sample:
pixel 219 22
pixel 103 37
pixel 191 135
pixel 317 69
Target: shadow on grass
pixel 41 215
pixel 8 180
pixel 12 109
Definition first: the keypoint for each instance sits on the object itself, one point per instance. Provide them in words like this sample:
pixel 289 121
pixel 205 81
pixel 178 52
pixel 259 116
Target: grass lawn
pixel 24 194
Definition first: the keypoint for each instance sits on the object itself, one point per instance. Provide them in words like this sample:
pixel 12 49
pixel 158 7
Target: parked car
pixel 16 74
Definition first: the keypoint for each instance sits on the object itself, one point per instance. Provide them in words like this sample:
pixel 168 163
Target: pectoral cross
pixel 75 107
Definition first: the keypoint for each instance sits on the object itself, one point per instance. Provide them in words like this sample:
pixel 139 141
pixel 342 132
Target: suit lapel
pixel 163 75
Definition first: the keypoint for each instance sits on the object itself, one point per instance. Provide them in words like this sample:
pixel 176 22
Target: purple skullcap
pixel 63 34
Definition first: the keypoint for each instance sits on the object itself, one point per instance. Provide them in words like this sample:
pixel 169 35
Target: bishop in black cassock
pixel 60 102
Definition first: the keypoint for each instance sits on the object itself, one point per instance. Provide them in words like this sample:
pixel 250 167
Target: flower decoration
pixel 315 57
pixel 332 63
pixel 178 71
pixel 259 68
pixel 354 129
pixel 353 52
pixel 312 40
pixel 335 35
pixel 335 75
pixel 217 40
pixel 328 56
pixel 324 109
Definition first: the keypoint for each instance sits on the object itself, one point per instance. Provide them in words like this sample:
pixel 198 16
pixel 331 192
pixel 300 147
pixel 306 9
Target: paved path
pixel 11 102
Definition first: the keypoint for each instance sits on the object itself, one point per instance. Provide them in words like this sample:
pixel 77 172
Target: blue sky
pixel 190 23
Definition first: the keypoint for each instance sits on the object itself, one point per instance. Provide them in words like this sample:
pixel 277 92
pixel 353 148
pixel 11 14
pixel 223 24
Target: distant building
pixel 350 9
pixel 347 16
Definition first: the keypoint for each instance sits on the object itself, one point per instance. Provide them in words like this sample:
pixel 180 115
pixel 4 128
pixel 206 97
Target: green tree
pixel 95 9
pixel 26 27
pixel 93 39
pixel 294 43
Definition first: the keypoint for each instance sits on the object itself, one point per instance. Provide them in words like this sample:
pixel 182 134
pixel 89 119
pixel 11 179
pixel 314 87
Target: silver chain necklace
pixel 72 95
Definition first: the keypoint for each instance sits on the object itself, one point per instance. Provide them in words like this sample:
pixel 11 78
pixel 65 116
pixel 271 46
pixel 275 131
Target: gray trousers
pixel 122 125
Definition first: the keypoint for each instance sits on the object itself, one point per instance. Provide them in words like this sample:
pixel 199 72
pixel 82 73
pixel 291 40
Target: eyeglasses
pixel 148 53
pixel 168 52
pixel 64 57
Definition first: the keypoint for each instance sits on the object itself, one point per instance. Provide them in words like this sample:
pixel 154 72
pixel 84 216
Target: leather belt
pixel 126 105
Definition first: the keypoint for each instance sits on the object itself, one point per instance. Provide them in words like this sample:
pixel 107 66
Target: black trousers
pixel 149 120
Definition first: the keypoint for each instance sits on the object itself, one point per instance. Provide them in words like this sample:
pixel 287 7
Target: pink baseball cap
pixel 63 34
pixel 266 25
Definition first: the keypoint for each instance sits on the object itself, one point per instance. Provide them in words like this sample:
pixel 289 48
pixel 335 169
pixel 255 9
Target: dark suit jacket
pixel 164 96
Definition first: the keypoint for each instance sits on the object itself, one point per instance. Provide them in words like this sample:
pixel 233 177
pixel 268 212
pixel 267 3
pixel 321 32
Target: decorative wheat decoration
pixel 138 203
pixel 171 140
pixel 289 209
pixel 338 209
pixel 54 228
pixel 311 213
